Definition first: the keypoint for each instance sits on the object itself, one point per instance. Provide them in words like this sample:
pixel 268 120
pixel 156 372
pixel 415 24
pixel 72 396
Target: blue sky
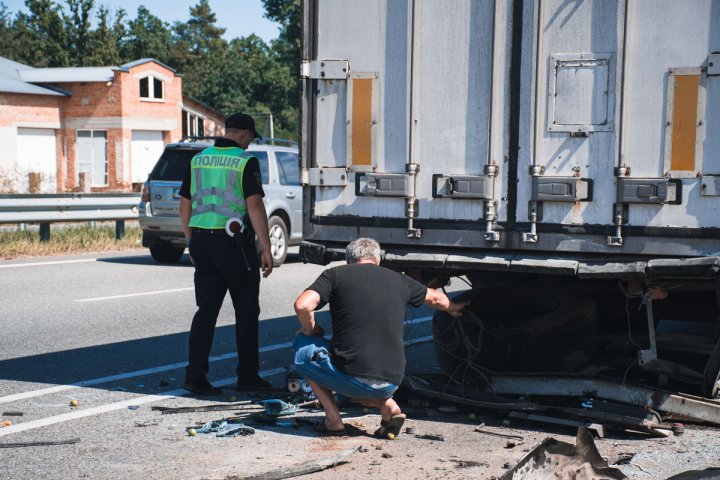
pixel 240 18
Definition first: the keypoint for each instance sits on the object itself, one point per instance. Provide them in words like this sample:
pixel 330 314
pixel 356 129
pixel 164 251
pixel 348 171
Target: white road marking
pixel 148 371
pixel 40 264
pixel 87 412
pixel 128 295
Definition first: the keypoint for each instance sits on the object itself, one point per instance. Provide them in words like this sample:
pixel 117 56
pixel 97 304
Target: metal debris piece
pixel 204 408
pixel 696 408
pixel 39 444
pixel 302 469
pixel 597 429
pixel 431 436
pixel 12 414
pixel 553 459
pixel 468 463
pixel 146 423
pixel 275 407
pixel 223 428
pixel 495 434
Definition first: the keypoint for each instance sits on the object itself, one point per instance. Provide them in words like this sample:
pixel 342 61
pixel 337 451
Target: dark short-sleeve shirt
pixel 252 181
pixel 367 307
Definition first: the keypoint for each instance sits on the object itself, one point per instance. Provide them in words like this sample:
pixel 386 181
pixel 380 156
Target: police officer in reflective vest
pixel 221 209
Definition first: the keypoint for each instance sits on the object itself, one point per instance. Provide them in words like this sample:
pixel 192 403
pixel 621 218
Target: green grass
pixel 67 239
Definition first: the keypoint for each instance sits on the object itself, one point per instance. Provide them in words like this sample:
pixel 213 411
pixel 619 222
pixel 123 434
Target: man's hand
pixel 455 308
pixel 438 300
pixel 266 263
pixel 317 331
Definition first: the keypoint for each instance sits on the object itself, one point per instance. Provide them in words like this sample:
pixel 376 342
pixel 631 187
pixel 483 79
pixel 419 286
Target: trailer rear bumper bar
pixel 655 271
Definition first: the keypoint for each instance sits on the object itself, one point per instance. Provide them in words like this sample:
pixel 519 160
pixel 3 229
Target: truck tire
pixel 167 253
pixel 520 328
pixel 278 240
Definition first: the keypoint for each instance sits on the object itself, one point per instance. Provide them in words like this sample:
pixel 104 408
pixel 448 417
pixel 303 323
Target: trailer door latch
pixel 462 186
pixel 561 189
pixel 649 190
pixel 383 184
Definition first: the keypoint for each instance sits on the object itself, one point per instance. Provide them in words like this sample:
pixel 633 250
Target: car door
pixel 289 178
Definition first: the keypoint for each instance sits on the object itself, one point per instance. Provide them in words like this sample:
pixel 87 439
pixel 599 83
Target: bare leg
pixel 333 421
pixel 387 407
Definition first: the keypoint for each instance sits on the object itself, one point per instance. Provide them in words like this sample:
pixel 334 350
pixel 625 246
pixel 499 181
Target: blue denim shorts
pixel 312 360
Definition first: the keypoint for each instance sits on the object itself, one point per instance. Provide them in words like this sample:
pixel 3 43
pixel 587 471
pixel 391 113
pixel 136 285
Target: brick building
pixel 111 122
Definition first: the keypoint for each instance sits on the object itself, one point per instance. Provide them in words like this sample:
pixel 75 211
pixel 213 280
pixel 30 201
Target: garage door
pixel 147 146
pixel 36 152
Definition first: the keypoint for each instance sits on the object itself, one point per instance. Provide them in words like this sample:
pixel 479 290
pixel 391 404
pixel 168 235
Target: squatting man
pixel 364 362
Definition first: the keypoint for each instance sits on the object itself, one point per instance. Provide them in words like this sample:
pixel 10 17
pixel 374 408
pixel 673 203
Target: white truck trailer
pixel 561 156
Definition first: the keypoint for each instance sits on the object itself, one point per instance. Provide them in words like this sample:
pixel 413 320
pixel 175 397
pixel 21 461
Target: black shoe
pixel 252 383
pixel 201 386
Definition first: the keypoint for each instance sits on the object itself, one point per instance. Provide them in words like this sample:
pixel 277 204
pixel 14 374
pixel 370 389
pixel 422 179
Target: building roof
pixel 68 74
pixel 11 81
pixel 130 65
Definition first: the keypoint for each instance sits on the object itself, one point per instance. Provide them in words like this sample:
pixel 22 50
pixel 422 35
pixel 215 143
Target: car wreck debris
pixel 302 469
pixel 39 444
pixel 553 459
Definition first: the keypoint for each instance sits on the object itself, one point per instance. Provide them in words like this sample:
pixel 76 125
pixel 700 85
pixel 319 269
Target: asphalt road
pixel 110 331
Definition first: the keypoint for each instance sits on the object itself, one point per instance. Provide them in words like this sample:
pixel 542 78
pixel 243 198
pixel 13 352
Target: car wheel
pixel 278 240
pixel 167 253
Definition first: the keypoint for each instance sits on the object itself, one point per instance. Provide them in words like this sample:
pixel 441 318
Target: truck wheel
pixel 278 240
pixel 167 253
pixel 523 327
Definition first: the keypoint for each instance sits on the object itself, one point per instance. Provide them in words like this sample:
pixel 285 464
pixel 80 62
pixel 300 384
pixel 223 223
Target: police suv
pixel 160 203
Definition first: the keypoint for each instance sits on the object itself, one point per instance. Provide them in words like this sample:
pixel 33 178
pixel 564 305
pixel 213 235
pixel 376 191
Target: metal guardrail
pixel 69 207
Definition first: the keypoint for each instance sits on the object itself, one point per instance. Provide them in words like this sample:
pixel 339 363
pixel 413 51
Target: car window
pixel 172 164
pixel 289 169
pixel 263 159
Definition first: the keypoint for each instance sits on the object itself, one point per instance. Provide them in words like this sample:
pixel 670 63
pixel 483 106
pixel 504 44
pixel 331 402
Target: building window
pixel 151 88
pixel 192 125
pixel 92 156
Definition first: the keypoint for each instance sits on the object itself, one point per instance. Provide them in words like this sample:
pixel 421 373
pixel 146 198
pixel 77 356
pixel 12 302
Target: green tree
pixel 107 39
pixel 287 52
pixel 199 53
pixel 147 37
pixel 42 35
pixel 7 40
pixel 77 28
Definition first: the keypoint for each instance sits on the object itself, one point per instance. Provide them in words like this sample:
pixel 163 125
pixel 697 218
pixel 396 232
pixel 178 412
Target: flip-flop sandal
pixel 391 426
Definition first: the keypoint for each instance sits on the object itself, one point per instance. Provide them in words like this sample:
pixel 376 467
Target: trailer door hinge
pixel 383 184
pixel 561 189
pixel 325 177
pixel 325 69
pixel 649 190
pixel 462 186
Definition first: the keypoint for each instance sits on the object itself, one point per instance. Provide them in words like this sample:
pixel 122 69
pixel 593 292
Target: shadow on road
pixel 82 364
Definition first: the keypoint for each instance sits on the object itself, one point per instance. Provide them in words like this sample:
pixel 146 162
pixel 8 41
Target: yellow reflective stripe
pixel 361 121
pixel 684 122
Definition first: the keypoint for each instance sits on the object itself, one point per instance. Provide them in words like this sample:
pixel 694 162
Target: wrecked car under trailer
pixel 562 158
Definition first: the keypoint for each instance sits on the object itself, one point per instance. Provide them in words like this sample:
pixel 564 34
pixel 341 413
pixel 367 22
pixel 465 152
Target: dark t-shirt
pixel 252 181
pixel 367 307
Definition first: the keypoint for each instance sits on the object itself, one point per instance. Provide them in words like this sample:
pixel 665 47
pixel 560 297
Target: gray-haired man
pixel 365 360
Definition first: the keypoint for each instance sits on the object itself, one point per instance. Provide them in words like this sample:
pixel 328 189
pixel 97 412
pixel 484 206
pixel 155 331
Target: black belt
pixel 210 231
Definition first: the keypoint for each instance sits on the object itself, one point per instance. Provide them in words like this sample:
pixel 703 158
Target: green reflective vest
pixel 216 186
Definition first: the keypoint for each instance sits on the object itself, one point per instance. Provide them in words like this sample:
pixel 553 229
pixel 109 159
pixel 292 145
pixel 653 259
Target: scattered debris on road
pixel 39 444
pixel 553 459
pixel 302 469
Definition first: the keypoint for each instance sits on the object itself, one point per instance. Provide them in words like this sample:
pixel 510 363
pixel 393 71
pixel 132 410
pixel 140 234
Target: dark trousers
pixel 220 267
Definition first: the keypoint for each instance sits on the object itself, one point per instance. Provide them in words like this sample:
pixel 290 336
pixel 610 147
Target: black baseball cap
pixel 242 121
